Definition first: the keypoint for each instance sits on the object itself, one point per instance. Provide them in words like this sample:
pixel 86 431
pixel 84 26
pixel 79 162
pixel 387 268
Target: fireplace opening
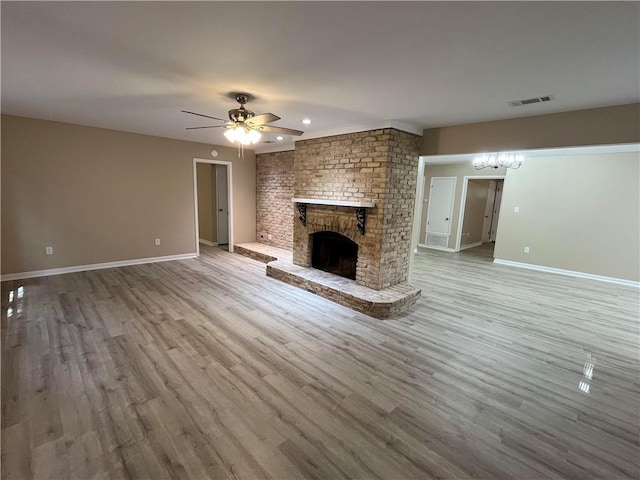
pixel 334 253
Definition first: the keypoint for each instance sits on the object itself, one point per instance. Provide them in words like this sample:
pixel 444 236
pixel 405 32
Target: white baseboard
pixel 471 245
pixel 94 266
pixel 444 249
pixel 570 273
pixel 207 242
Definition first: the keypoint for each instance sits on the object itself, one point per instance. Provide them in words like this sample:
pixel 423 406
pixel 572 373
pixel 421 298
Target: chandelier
pixel 498 160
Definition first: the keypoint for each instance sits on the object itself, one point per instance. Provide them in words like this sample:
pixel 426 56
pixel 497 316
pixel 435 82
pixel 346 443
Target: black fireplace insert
pixel 334 253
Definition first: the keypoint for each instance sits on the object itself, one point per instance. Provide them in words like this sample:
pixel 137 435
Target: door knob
pixel 446 219
pixel 220 210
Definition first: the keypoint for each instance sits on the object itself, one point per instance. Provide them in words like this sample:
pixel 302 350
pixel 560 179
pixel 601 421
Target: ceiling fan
pixel 244 126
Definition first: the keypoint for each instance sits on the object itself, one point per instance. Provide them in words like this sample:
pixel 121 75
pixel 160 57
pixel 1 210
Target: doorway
pixel 479 211
pixel 212 189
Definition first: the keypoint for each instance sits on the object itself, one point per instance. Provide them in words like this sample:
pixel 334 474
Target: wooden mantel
pixel 336 203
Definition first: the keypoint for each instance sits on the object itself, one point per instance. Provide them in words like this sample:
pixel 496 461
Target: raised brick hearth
pixel 380 304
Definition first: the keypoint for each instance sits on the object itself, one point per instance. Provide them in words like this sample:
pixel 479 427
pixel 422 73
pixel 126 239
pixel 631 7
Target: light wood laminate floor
pixel 206 368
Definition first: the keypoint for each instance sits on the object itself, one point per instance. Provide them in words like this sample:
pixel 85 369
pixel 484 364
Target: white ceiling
pixel 133 66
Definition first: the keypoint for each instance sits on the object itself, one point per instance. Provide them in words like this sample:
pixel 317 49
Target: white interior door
pixel 488 212
pixel 222 202
pixel 496 211
pixel 440 210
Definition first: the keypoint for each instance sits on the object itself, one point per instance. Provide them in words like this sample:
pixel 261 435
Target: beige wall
pixel 596 126
pixel 207 224
pixel 579 213
pixel 99 195
pixel 475 205
pixel 458 170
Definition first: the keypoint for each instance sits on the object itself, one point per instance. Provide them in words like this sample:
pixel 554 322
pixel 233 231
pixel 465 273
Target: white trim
pixel 444 249
pixel 274 148
pixel 207 242
pixel 362 127
pixel 95 266
pixel 229 197
pixel 417 214
pixel 338 203
pixel 463 202
pixel 570 273
pixel 471 245
pixel 540 152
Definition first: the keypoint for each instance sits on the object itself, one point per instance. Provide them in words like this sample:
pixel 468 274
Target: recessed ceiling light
pixel 306 121
pixel 279 137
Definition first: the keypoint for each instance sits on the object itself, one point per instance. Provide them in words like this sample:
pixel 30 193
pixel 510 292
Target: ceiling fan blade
pixel 262 119
pixel 272 129
pixel 201 115
pixel 208 126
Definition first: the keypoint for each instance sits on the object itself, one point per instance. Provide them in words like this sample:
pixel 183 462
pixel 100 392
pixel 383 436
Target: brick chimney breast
pixel 378 166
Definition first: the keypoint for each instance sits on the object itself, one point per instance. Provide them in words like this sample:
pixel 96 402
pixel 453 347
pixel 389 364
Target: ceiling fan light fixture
pixel 253 136
pixel 242 135
pixel 244 126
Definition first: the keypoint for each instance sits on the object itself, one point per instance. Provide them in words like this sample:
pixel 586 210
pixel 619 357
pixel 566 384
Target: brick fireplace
pixel 359 186
pixel 376 167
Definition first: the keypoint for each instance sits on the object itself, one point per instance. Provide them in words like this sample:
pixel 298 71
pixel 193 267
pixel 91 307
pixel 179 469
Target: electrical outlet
pixel 48 250
pixel 157 241
pixel 526 249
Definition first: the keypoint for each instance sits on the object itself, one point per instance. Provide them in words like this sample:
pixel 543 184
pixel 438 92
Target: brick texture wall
pixel 399 198
pixel 378 166
pixel 274 212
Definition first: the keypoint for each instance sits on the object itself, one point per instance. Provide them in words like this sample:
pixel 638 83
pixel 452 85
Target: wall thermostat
pixel 214 153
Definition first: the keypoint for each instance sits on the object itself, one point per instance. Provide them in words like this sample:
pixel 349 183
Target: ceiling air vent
pixel 529 101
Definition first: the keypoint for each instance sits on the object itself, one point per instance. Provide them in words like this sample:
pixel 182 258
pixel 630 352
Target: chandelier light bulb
pixel 498 160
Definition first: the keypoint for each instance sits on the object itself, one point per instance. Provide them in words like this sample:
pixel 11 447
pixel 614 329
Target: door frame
pixel 218 201
pixel 229 198
pixel 488 218
pixel 463 201
pixel 495 215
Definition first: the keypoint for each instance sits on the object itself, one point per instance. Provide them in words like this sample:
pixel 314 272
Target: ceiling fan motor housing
pixel 240 114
